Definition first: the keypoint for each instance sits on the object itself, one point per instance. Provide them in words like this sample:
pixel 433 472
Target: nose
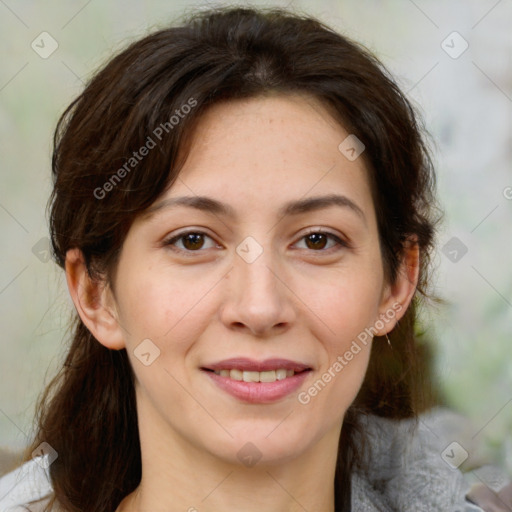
pixel 258 299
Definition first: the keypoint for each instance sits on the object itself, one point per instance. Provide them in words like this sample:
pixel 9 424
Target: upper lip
pixel 250 365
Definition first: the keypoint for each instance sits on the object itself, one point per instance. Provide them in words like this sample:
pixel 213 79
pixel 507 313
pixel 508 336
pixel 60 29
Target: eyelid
pixel 171 240
pixel 341 242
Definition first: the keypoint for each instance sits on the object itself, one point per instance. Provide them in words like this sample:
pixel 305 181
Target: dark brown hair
pixel 88 412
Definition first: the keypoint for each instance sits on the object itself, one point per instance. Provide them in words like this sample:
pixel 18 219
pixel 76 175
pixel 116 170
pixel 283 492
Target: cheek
pixel 346 352
pixel 347 306
pixel 155 304
pixel 168 309
pixel 347 303
pixel 348 344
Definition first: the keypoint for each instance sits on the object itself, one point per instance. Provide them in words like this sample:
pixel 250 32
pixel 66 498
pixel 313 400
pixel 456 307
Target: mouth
pixel 258 382
pixel 254 376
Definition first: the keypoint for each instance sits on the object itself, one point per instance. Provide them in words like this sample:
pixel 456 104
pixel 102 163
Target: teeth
pixel 268 376
pixel 236 374
pixel 281 374
pixel 251 376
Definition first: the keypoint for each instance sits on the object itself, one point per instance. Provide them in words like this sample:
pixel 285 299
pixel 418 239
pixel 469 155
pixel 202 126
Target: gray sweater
pixel 407 473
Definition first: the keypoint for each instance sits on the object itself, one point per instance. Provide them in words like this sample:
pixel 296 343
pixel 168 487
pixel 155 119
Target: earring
pixel 389 342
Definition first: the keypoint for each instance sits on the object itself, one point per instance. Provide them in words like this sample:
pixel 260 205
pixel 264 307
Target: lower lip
pixel 259 392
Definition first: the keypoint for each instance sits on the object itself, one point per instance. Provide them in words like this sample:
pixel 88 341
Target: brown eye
pixel 316 241
pixel 191 241
pixel 319 241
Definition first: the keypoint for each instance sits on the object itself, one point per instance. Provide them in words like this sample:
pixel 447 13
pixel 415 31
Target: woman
pixel 244 209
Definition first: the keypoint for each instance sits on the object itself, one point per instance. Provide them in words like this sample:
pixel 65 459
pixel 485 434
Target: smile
pixel 247 376
pixel 257 382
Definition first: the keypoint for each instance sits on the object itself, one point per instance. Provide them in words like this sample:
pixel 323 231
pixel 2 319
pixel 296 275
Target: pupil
pixel 193 241
pixel 318 239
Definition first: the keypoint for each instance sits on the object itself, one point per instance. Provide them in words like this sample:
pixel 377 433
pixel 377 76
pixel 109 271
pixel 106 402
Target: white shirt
pixel 27 483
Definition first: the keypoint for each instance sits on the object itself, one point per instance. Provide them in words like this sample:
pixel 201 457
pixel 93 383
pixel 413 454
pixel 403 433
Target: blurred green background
pixel 466 101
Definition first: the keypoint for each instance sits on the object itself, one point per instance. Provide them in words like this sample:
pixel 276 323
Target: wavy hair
pixel 88 411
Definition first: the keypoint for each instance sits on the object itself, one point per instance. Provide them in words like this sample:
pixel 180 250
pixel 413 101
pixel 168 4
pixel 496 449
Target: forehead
pixel 262 151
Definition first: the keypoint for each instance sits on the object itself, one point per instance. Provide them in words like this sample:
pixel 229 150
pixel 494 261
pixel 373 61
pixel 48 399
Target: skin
pixel 297 300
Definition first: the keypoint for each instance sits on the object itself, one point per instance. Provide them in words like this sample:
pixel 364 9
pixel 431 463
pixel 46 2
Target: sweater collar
pixel 404 470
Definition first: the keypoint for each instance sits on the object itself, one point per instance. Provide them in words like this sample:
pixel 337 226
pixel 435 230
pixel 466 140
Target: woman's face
pixel 263 255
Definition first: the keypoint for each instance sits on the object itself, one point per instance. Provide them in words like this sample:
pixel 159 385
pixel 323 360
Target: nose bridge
pixel 253 266
pixel 257 279
pixel 256 298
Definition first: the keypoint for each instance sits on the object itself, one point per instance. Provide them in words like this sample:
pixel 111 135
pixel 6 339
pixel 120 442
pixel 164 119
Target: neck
pixel 177 476
pixel 272 490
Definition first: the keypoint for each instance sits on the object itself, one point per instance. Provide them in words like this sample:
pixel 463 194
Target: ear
pixel 397 296
pixel 93 301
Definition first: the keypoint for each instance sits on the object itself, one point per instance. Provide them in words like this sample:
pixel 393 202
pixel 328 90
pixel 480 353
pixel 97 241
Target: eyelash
pixel 171 241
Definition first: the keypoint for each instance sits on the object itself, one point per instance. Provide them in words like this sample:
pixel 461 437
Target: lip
pixel 258 392
pixel 250 365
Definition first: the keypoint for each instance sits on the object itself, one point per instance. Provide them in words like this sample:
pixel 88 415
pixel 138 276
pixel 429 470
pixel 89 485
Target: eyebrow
pixel 210 205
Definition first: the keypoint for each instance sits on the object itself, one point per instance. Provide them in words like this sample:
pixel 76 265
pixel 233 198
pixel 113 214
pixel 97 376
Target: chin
pixel 261 446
